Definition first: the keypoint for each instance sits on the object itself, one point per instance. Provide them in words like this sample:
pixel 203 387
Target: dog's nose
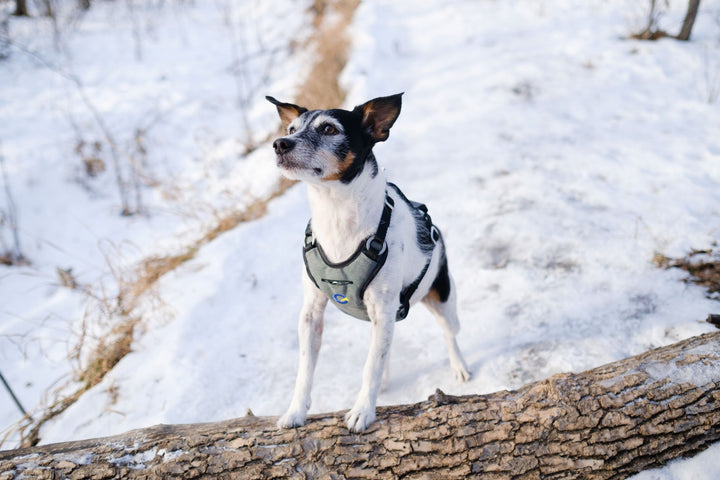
pixel 283 145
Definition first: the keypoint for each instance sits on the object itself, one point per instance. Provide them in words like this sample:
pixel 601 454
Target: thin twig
pixel 12 394
pixel 109 138
pixel 16 255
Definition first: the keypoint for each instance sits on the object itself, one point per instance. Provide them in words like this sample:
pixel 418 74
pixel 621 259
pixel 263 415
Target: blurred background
pixel 150 251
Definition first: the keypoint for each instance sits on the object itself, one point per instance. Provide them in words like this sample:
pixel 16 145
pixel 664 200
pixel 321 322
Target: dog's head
pixel 332 145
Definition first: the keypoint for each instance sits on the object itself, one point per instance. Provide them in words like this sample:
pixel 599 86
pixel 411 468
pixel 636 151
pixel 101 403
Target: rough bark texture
pixel 606 423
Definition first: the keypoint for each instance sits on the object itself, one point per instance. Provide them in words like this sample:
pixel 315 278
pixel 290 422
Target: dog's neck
pixel 345 214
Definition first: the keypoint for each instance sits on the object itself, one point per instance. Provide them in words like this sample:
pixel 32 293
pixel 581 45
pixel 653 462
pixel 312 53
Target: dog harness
pixel 345 283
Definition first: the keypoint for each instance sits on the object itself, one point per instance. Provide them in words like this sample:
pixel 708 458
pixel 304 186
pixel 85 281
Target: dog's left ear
pixel 379 114
pixel 287 111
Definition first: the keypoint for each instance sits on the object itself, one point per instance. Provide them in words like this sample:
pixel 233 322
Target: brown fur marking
pixel 340 168
pixel 432 296
pixel 379 117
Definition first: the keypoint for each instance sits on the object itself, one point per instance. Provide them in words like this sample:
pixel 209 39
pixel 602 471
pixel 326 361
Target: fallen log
pixel 605 423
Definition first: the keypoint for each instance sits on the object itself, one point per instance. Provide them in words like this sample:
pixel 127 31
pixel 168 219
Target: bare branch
pixel 15 256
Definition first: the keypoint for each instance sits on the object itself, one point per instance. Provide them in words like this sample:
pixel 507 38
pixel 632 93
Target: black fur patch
pixel 357 166
pixel 357 141
pixel 441 284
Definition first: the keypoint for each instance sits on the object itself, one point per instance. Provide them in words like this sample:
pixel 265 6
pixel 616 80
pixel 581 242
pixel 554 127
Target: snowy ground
pixel 178 72
pixel 556 155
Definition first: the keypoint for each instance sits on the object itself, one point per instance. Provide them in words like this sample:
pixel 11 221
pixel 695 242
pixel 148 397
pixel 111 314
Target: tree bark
pixel 689 21
pixel 605 423
pixel 21 8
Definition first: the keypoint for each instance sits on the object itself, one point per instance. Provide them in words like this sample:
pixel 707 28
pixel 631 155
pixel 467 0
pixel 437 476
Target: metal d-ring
pixel 434 234
pixel 369 247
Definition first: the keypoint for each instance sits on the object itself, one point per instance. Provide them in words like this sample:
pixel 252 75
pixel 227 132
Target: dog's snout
pixel 283 145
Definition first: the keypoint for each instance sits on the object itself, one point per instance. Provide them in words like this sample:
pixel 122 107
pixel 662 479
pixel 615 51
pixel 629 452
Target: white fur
pixel 342 216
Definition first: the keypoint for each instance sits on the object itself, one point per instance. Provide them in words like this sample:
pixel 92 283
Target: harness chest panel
pixel 345 283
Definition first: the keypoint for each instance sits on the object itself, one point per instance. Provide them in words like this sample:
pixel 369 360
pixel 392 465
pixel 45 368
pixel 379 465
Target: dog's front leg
pixel 363 412
pixel 310 328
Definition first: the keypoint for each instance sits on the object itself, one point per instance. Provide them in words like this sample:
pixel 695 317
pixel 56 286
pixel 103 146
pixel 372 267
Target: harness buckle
pixel 309 237
pixel 373 246
pixel 434 234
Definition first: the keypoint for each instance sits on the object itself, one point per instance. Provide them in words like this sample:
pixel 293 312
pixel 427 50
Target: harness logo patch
pixel 341 299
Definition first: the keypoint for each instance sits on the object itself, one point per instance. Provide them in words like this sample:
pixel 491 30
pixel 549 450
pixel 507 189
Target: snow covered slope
pixel 557 157
pixel 174 85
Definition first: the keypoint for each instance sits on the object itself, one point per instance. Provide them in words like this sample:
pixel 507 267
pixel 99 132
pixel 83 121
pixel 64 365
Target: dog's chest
pixel 339 226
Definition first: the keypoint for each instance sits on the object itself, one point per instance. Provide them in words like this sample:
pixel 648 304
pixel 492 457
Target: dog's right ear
pixel 379 115
pixel 287 111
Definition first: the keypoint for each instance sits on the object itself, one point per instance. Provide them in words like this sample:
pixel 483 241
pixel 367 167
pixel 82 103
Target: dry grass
pixel 108 353
pixel 702 265
pixel 31 434
pixel 255 210
pixel 650 34
pixel 10 259
pixel 321 88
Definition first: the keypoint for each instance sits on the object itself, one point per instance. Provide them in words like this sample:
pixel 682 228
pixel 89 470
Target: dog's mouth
pixel 284 161
pixel 289 164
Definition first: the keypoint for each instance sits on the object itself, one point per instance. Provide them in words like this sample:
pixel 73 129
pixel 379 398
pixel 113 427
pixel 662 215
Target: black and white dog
pixel 331 151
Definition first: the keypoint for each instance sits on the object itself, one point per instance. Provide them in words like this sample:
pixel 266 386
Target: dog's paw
pixel 359 419
pixel 461 372
pixel 291 419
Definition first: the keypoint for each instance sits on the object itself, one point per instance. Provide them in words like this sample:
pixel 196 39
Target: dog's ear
pixel 287 111
pixel 379 114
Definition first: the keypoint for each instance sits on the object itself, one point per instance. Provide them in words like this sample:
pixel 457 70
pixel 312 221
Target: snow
pixel 556 156
pixel 135 461
pixel 184 95
pixel 703 466
pixel 694 374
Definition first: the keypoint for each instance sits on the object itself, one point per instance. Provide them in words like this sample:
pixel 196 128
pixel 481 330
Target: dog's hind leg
pixel 310 327
pixel 446 315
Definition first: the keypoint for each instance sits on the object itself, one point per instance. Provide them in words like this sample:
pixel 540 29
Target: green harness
pixel 345 283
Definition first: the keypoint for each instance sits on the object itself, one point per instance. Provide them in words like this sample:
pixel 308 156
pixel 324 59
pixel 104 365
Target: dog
pixel 383 246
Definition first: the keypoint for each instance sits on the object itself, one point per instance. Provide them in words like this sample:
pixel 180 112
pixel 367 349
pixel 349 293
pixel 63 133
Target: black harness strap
pixel 408 292
pixel 376 243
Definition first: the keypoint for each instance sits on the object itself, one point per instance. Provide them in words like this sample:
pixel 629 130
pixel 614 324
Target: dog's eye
pixel 328 129
pixel 291 130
